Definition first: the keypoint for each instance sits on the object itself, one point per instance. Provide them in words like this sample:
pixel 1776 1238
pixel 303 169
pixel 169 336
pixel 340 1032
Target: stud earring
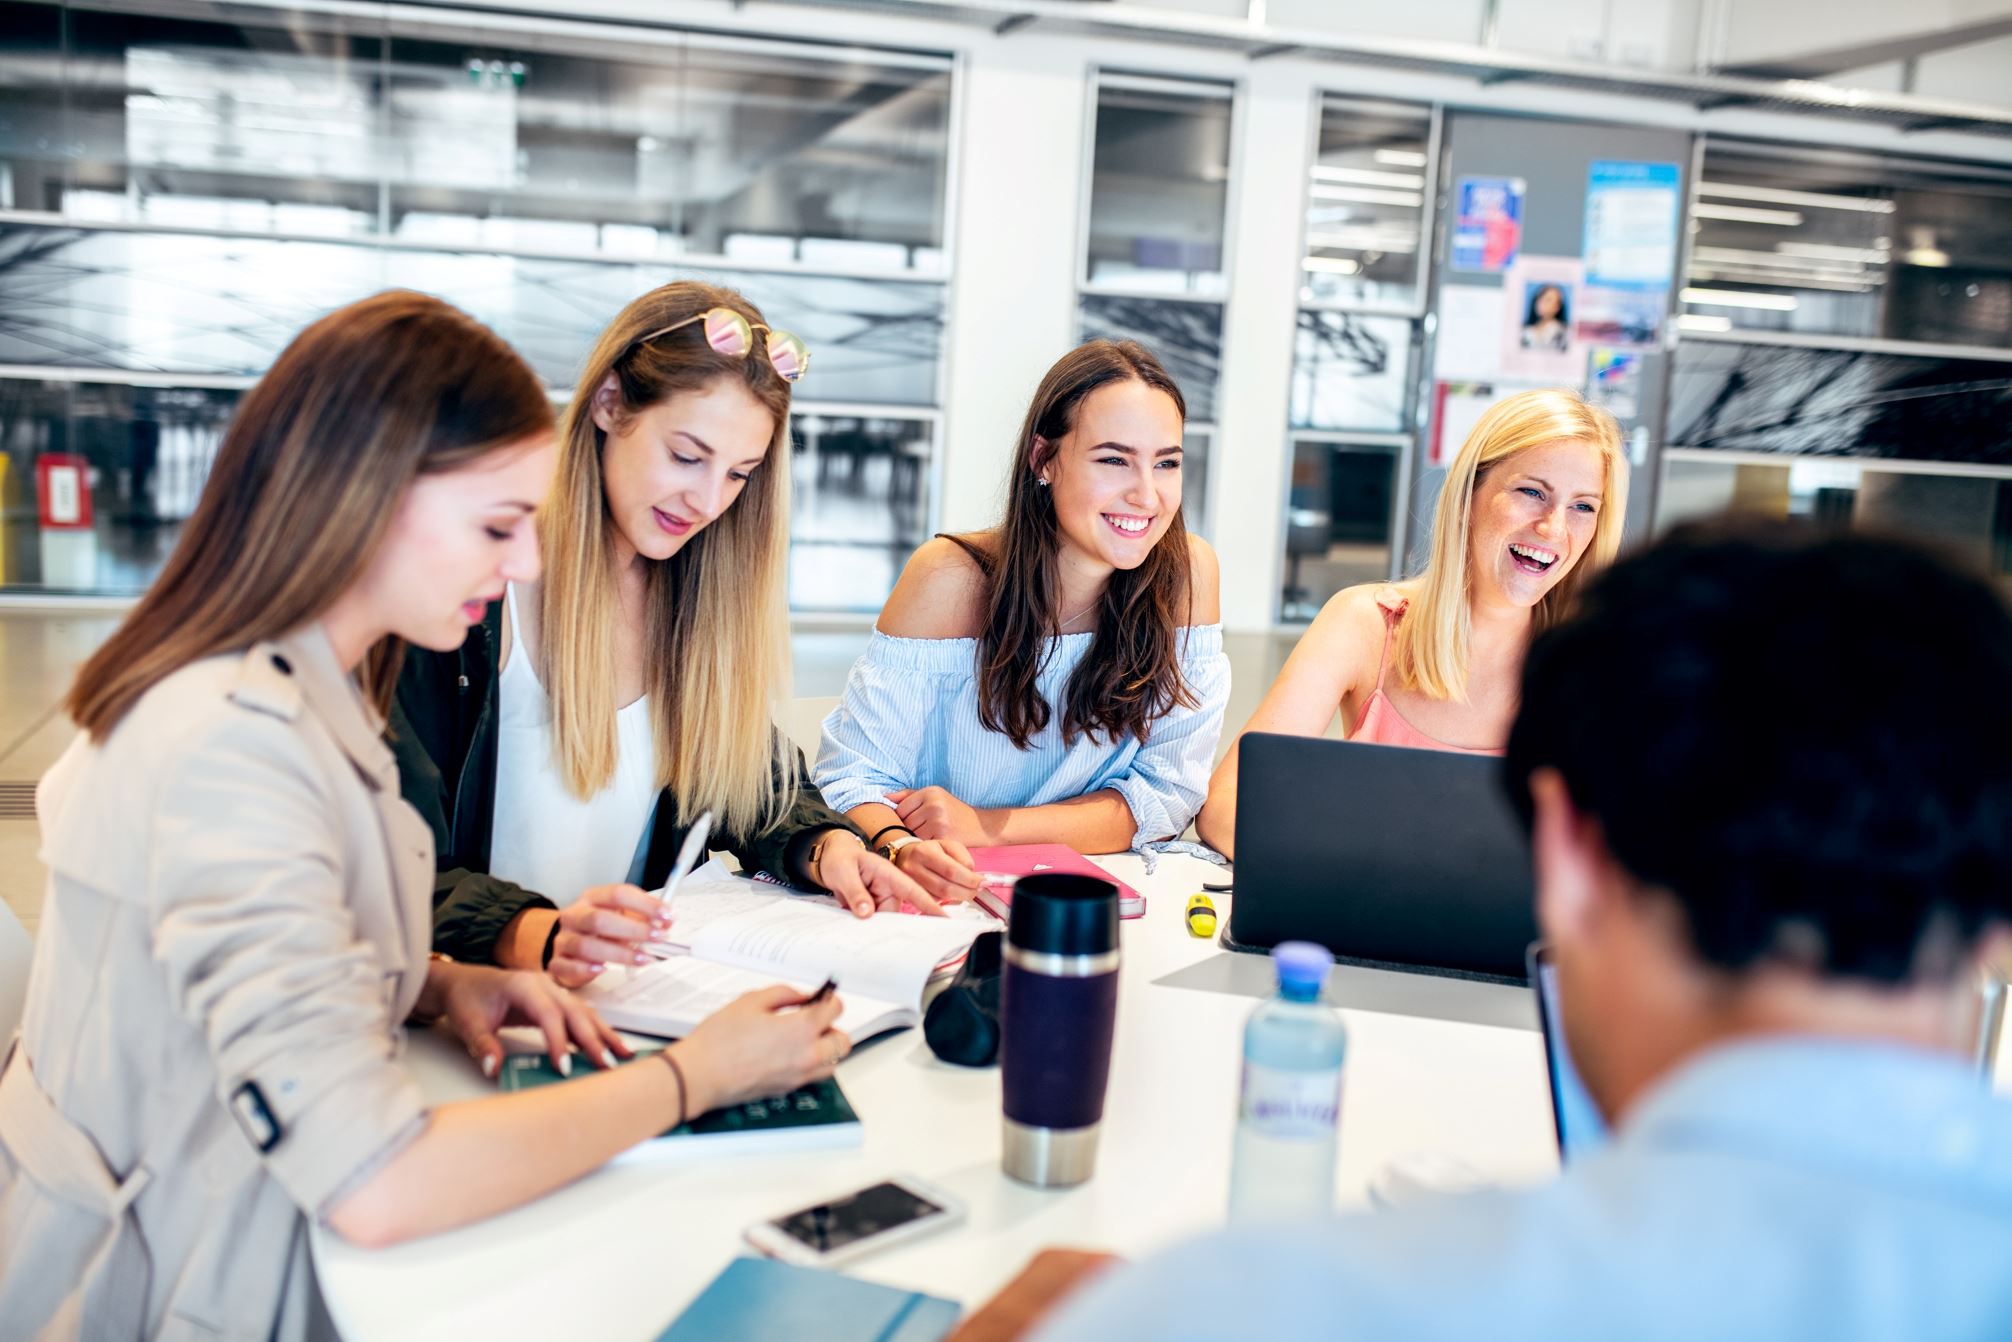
pixel 1041 480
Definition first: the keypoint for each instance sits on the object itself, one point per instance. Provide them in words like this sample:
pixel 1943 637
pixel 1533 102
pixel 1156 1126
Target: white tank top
pixel 544 838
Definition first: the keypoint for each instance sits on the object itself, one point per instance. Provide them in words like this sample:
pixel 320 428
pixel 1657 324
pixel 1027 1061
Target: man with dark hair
pixel 1769 781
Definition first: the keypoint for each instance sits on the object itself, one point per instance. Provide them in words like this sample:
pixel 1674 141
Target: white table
pixel 620 1253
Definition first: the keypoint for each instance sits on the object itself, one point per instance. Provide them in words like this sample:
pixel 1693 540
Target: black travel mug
pixel 1058 1004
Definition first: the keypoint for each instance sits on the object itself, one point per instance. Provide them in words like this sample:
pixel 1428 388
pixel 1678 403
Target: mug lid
pixel 1062 913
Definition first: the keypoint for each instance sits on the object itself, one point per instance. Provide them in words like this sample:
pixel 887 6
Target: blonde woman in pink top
pixel 1532 504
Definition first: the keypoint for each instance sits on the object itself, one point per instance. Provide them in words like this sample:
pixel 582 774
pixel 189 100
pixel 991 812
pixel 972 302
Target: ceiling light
pixel 1366 177
pixel 1746 214
pixel 1815 199
pixel 1333 265
pixel 1701 321
pixel 1820 251
pixel 1921 249
pixel 1366 196
pixel 1401 158
pixel 1735 298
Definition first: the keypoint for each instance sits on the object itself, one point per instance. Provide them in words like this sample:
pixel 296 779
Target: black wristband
pixel 874 842
pixel 551 940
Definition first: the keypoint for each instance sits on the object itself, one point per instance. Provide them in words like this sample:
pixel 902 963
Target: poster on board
pixel 1540 300
pixel 1614 380
pixel 1487 224
pixel 1633 216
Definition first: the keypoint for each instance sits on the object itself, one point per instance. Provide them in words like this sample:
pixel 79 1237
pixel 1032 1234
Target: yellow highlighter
pixel 1201 916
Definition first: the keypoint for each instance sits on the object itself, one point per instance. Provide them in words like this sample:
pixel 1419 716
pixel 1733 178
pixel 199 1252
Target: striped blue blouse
pixel 909 719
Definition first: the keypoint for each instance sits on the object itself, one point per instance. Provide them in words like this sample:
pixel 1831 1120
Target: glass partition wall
pixel 1846 346
pixel 1353 400
pixel 1154 242
pixel 179 195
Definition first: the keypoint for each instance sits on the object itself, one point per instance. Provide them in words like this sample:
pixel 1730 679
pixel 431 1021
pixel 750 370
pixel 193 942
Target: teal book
pixel 809 1118
pixel 761 1300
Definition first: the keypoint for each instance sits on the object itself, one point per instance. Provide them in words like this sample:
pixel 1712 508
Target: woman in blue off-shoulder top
pixel 1059 678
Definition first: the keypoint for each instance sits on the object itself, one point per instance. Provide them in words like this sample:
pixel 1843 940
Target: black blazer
pixel 443 730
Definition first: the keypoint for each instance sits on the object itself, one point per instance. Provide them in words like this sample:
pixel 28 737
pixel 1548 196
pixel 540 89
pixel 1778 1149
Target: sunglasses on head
pixel 732 335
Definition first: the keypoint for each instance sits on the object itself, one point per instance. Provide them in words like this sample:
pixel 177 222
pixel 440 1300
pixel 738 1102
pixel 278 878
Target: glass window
pixel 1351 372
pixel 1846 244
pixel 862 488
pixel 1159 185
pixel 220 184
pixel 759 156
pixel 1970 516
pixel 1365 211
pixel 135 457
pixel 1186 337
pixel 1793 401
pixel 1340 520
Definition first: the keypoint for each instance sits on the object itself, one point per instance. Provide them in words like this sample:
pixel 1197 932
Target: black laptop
pixel 1398 858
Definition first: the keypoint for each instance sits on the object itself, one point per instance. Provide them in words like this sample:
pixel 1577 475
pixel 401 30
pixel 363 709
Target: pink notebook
pixel 1024 859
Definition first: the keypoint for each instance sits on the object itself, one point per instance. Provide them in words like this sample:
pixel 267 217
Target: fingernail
pixel 489 1067
pixel 565 1064
pixel 602 1056
pixel 641 958
pixel 597 968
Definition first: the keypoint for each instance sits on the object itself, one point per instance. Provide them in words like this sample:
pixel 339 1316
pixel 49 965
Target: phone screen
pixel 869 1212
pixel 1580 1127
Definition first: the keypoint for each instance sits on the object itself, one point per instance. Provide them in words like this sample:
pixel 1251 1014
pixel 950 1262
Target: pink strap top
pixel 1381 723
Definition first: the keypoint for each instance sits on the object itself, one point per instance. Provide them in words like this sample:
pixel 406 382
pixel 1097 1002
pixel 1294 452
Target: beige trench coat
pixel 237 923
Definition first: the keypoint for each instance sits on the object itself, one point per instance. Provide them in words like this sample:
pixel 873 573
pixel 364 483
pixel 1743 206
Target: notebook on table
pixel 762 1300
pixel 811 1117
pixel 1025 859
pixel 730 935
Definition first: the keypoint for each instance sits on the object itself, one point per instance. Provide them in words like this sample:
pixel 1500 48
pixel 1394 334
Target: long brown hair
pixel 306 481
pixel 716 633
pixel 1131 675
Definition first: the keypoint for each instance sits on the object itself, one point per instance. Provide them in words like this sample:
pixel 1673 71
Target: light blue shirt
pixel 1795 1188
pixel 909 719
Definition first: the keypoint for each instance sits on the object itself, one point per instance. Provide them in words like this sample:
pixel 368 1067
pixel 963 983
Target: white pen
pixel 688 857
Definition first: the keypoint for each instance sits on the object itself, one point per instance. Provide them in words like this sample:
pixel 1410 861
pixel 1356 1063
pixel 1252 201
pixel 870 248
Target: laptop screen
pixel 1580 1127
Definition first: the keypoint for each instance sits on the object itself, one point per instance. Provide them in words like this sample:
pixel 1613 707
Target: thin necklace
pixel 1077 616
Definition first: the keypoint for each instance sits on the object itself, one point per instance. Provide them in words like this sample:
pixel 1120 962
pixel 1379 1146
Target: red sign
pixel 63 491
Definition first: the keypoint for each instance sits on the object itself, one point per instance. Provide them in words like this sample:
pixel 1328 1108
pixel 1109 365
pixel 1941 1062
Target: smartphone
pixel 863 1222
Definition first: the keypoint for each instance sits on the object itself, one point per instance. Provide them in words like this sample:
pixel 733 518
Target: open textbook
pixel 730 935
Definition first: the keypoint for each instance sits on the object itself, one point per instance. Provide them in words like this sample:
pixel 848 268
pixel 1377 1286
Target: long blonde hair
pixel 1430 650
pixel 306 483
pixel 716 613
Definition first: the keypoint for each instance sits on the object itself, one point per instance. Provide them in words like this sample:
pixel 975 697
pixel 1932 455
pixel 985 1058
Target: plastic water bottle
pixel 1294 1046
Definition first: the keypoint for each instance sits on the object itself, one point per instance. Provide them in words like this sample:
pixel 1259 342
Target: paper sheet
pixel 733 921
pixel 677 993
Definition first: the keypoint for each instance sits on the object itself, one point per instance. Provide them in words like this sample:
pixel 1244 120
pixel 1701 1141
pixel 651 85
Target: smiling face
pixel 668 471
pixel 457 539
pixel 1535 514
pixel 1115 477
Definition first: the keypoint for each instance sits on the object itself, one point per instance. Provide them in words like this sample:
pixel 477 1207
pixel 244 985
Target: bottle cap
pixel 1302 965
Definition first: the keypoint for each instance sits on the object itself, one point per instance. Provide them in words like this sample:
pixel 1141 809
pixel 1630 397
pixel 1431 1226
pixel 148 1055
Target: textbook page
pixel 673 995
pixel 808 938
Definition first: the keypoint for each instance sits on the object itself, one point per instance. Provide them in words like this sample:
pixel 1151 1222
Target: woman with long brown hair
pixel 1059 678
pixel 566 749
pixel 237 918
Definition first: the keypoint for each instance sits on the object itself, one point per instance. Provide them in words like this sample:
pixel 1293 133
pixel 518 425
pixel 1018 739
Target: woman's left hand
pixel 865 881
pixel 479 1000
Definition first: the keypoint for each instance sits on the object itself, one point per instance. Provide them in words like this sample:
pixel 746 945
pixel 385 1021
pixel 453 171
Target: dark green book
pixel 812 1117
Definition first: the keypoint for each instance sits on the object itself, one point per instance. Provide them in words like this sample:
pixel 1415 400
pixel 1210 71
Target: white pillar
pixel 1013 301
pixel 1252 457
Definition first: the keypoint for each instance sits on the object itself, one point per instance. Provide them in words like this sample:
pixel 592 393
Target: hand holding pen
pixel 619 924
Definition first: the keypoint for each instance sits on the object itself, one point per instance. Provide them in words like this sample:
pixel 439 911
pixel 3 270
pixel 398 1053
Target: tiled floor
pixel 40 652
